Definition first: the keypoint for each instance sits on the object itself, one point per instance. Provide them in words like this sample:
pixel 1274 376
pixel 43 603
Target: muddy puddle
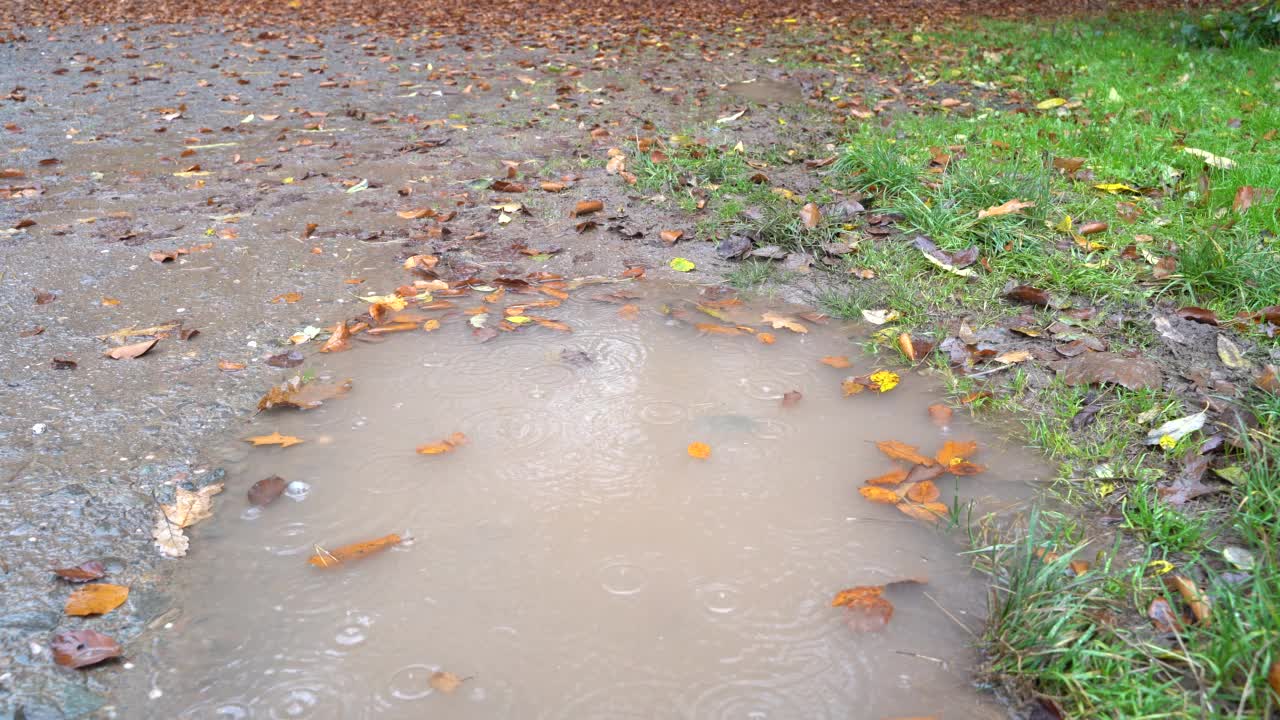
pixel 572 559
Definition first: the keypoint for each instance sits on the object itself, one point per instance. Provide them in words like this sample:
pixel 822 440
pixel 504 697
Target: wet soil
pixel 132 141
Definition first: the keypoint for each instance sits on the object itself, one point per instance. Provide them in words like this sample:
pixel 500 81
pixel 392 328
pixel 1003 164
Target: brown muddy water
pixel 572 560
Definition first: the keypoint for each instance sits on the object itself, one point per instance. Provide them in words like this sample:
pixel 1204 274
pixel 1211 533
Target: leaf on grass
pixel 80 648
pixel 445 682
pixel 1215 161
pixel 902 451
pixel 1162 615
pixel 275 438
pixel 1201 608
pixel 1006 208
pixel 1029 295
pixel 96 599
pixel 783 321
pixel 355 551
pixel 810 215
pixel 699 450
pixel 84 572
pixel 1176 429
pixel 877 494
pixel 266 490
pixel 446 445
pixel 1051 103
pixel 836 361
pixel 1114 188
pixel 302 395
pixel 129 352
pixel 880 317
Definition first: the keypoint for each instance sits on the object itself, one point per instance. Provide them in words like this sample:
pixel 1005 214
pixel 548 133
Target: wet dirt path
pixel 249 185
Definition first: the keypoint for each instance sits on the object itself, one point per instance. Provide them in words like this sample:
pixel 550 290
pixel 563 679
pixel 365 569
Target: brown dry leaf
pixel 893 477
pixel 954 450
pixel 129 352
pixel 670 237
pixel 1005 208
pixel 879 494
pixel 699 450
pixel 84 572
pixel 339 339
pixel 445 682
pixel 940 414
pixel 902 451
pixel 189 507
pixel 1273 677
pixel 169 538
pixel 1162 615
pixel 714 329
pixel 42 297
pixel 552 187
pixel 80 648
pixel 836 361
pixel 783 321
pixel 1199 602
pixel 289 297
pixel 230 366
pixel 431 324
pixel 923 492
pixel 96 599
pixel 302 395
pixel 1029 295
pixel 416 213
pixel 928 512
pixel 446 445
pixel 586 207
pixel 1013 357
pixel 355 551
pixel 791 397
pixel 810 215
pixel 266 490
pixel 274 438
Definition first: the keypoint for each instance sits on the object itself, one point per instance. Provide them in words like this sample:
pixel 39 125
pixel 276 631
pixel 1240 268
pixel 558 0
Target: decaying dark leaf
pixel 1106 368
pixel 1198 314
pixel 80 648
pixel 266 490
pixel 84 572
pixel 1028 295
pixel 1162 615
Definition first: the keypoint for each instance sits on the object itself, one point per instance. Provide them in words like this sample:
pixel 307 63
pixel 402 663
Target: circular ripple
pixel 765 386
pixel 299 701
pixel 755 701
pixel 612 355
pixel 619 578
pixel 719 598
pixel 511 427
pixel 661 412
pixel 771 429
pixel 412 682
pixel 291 539
pixel 220 710
pixel 623 701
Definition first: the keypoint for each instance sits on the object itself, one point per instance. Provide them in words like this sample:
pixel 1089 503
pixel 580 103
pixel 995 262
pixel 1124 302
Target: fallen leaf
pixel 868 609
pixel 1005 208
pixel 1176 429
pixel 1215 161
pixel 953 451
pixel 670 237
pixel 275 438
pixel 80 648
pixel 586 207
pixel 810 215
pixel 84 572
pixel 1114 188
pixel 169 538
pixel 699 450
pixel 929 512
pixel 128 352
pixel 355 551
pixel 446 445
pixel 190 507
pixel 836 361
pixel 791 397
pixel 266 490
pixel 289 297
pixel 766 338
pixel 782 321
pixel 1230 353
pixel 923 492
pixel 229 366
pixel 445 682
pixel 552 187
pixel 302 395
pixel 1201 608
pixel 880 317
pixel 1051 103
pixel 1198 314
pixel 339 339
pixel 1029 295
pixel 96 599
pixel 1162 615
pixel 42 297
pixel 893 477
pixel 1101 367
pixel 681 264
pixel 878 494
pixel 1013 357
pixel 1245 196
pixel 940 414
pixel 902 451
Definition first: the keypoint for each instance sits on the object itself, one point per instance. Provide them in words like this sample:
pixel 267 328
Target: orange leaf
pixel 1005 208
pixel 586 207
pixel 714 329
pixel 953 451
pixel 355 551
pixel 810 215
pixel 628 311
pixel 866 606
pixel 940 414
pixel 836 361
pixel 274 438
pixel 393 327
pixel 902 451
pixel 431 324
pixel 928 512
pixel 923 492
pixel 340 339
pixel 671 236
pixel 289 297
pixel 851 386
pixel 633 272
pixel 766 338
pixel 880 495
pixel 890 478
pixel 96 599
pixel 964 467
pixel 552 324
pixel 446 445
pixel 229 366
pixel 907 347
pixel 699 450
pixel 1198 601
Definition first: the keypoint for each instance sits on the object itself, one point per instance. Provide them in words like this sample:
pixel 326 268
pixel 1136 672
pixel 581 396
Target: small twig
pixel 947 612
pixel 992 370
pixel 922 657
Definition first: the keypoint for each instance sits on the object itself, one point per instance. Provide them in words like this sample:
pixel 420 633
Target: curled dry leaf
pixel 274 438
pixel 84 572
pixel 302 395
pixel 586 207
pixel 81 648
pixel 1198 314
pixel 810 215
pixel 699 450
pixel 1201 608
pixel 229 366
pixel 1005 208
pixel 96 599
pixel 446 445
pixel 339 340
pixel 355 551
pixel 1162 615
pixel 670 237
pixel 266 490
pixel 128 352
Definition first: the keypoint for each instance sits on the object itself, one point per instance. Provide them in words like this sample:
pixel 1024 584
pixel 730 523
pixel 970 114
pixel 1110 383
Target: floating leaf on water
pixel 445 682
pixel 940 414
pixel 275 438
pixel 867 608
pixel 791 397
pixel 96 599
pixel 878 494
pixel 836 361
pixel 446 445
pixel 84 572
pixel 902 451
pixel 189 508
pixel 339 340
pixel 893 477
pixel 783 321
pixel 954 451
pixel 355 551
pixel 928 512
pixel 289 298
pixel 266 490
pixel 699 450
pixel 80 648
pixel 765 338
pixel 923 492
pixel 302 395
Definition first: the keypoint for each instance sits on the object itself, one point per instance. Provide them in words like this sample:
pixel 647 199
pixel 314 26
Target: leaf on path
pixel 266 490
pixel 445 682
pixel 1230 353
pixel 302 395
pixel 902 451
pixel 1013 357
pixel 339 340
pixel 275 438
pixel 229 366
pixel 699 450
pixel 446 445
pixel 1006 208
pixel 1188 485
pixel 681 264
pixel 189 507
pixel 1176 429
pixel 355 551
pixel 586 207
pixel 671 237
pixel 81 648
pixel 783 321
pixel 129 352
pixel 810 215
pixel 84 572
pixel 169 538
pixel 289 298
pixel 96 599
pixel 1201 608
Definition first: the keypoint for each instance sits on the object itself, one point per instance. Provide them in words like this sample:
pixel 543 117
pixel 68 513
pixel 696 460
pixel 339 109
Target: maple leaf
pixel 274 438
pixel 783 321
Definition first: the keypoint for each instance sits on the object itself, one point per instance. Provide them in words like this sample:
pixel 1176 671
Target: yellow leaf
pixel 1051 103
pixel 1114 188
pixel 189 507
pixel 1006 208
pixel 682 264
pixel 274 438
pixel 96 599
pixel 699 450
pixel 884 380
